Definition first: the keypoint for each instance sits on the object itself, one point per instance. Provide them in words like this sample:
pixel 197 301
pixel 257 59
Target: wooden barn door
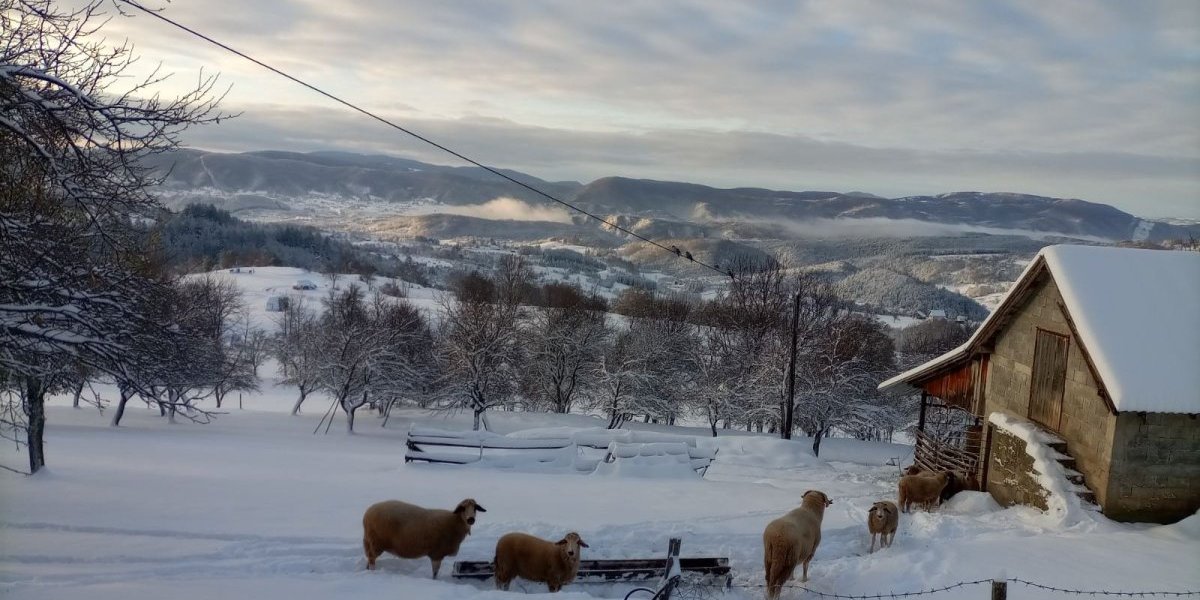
pixel 1049 378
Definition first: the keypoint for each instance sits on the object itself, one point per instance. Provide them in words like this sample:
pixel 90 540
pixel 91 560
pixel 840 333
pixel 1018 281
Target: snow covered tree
pixel 846 359
pixel 480 350
pixel 297 347
pixel 377 351
pixel 348 340
pixel 621 379
pixel 566 340
pixel 74 275
pixel 403 366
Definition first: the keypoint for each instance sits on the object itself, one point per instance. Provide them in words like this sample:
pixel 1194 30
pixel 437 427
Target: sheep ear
pixel 562 542
pixel 583 544
pixel 480 508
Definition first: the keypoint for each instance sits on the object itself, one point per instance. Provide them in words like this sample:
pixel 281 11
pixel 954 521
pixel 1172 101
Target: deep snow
pixel 256 506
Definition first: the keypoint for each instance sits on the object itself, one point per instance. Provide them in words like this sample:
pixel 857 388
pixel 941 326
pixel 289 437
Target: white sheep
pixel 882 520
pixel 410 531
pixel 534 559
pixel 792 540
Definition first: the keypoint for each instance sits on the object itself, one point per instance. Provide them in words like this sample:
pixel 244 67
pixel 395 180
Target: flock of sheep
pixel 410 531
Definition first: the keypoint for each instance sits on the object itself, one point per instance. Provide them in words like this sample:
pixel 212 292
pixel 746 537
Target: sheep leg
pixel 805 578
pixel 873 543
pixel 779 570
pixel 437 565
pixel 371 554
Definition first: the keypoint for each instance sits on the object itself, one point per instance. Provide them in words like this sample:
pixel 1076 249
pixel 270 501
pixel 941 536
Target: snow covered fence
pixel 631 452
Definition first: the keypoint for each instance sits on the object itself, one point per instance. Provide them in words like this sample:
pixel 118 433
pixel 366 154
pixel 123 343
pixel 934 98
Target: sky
pixel 1079 99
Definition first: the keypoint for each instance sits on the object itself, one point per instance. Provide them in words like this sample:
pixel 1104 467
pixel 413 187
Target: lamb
pixel 924 489
pixel 882 520
pixel 410 531
pixel 534 559
pixel 792 540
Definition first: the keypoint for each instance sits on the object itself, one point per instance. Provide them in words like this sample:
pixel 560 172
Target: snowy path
pixel 255 506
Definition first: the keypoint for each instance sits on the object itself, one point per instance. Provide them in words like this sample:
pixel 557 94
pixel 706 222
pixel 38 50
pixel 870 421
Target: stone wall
pixel 1087 425
pixel 1011 477
pixel 1156 468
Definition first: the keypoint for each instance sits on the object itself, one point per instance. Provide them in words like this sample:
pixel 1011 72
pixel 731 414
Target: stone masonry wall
pixel 1156 468
pixel 1010 472
pixel 1087 425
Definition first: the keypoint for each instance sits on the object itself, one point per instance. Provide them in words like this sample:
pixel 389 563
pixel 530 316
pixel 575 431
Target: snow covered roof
pixel 1137 314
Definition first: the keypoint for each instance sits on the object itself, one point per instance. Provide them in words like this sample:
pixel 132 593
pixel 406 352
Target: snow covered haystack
pixel 661 460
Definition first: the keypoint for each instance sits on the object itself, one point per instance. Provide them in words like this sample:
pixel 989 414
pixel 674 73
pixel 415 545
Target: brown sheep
pixel 882 520
pixel 534 559
pixel 958 481
pixel 792 540
pixel 924 489
pixel 410 531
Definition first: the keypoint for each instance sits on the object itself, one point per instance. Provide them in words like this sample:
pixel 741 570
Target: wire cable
pixel 672 249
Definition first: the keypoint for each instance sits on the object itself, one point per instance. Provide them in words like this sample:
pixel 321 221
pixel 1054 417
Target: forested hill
pixel 201 238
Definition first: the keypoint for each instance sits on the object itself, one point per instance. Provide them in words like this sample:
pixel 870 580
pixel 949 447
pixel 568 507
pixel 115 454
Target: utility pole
pixel 791 382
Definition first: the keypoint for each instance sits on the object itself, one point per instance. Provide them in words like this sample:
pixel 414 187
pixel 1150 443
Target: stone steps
pixel 1064 458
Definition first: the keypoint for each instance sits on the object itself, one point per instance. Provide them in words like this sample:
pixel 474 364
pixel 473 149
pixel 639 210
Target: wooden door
pixel 1049 378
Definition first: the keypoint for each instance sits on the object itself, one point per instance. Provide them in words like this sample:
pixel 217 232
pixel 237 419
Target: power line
pixel 672 249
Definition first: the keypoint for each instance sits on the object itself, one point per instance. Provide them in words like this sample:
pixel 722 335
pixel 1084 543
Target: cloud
pixel 948 95
pixel 502 209
pixel 902 228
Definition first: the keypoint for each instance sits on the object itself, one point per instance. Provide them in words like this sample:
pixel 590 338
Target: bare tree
pixel 848 357
pixel 297 347
pixel 403 365
pixel 74 273
pixel 565 345
pixel 479 350
pixel 622 378
pixel 347 342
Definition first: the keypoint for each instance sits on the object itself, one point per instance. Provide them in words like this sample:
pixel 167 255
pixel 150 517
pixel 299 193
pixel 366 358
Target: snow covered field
pixel 256 506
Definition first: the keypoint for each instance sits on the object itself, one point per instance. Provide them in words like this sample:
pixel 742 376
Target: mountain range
pixel 272 179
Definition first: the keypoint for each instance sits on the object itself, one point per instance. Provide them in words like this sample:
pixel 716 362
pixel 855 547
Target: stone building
pixel 1100 348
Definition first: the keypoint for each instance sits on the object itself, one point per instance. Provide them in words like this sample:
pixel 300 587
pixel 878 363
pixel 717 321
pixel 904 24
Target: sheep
pixel 958 481
pixel 534 559
pixel 924 489
pixel 410 531
pixel 882 520
pixel 792 540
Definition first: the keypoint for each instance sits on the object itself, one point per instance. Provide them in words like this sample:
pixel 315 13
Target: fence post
pixel 671 576
pixel 999 590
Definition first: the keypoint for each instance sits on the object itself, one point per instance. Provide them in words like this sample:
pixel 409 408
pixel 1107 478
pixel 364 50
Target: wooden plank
pixel 490 444
pixel 611 569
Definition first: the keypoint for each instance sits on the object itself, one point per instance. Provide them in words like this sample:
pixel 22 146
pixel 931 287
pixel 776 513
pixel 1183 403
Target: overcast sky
pixel 1091 100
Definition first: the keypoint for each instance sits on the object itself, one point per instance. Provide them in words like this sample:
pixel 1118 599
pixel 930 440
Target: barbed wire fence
pixel 997 588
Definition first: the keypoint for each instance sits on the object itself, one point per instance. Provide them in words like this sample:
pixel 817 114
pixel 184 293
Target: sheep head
pixel 880 511
pixel 466 511
pixel 570 545
pixel 815 497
